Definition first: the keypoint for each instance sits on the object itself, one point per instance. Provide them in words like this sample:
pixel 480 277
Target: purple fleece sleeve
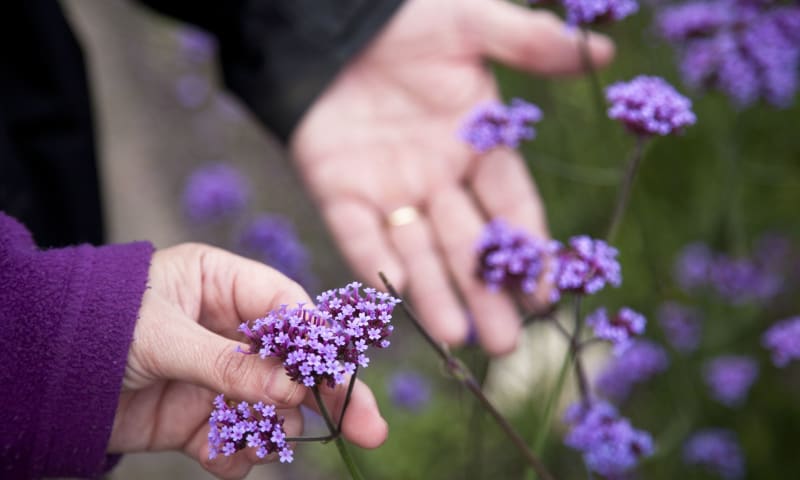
pixel 66 322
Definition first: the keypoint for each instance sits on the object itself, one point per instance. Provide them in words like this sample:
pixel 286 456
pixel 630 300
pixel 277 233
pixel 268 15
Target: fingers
pixel 363 424
pixel 429 285
pixel 360 235
pixel 458 225
pixel 532 40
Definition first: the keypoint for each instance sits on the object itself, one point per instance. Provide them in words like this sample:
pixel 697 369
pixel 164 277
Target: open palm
pixel 384 136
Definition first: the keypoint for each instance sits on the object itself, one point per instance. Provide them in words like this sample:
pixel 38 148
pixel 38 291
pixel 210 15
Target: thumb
pixel 174 347
pixel 532 40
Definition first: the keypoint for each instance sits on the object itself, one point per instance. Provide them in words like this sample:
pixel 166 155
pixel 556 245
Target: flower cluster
pixel 589 12
pixel 748 50
pixel 409 390
pixel 327 343
pixel 717 450
pixel 730 377
pixel 585 266
pixel 642 360
pixel 649 106
pixel 235 427
pixel 619 329
pixel 495 124
pixel 273 240
pixel 681 326
pixel 510 258
pixel 783 340
pixel 609 443
pixel 215 192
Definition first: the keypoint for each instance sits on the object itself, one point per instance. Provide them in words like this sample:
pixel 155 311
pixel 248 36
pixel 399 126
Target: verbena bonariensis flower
pixel 740 280
pixel 609 443
pixel 494 124
pixel 641 361
pixel 590 12
pixel 681 325
pixel 693 266
pixel 511 258
pixel 236 427
pixel 327 343
pixel 748 50
pixel 730 377
pixel 584 266
pixel 717 450
pixel 409 390
pixel 783 341
pixel 619 329
pixel 214 192
pixel 273 240
pixel 649 106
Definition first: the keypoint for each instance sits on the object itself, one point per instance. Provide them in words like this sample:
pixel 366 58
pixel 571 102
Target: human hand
pixel 184 354
pixel 384 136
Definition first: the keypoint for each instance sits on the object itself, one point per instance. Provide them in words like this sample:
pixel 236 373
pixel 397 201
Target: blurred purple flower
pixel 245 425
pixel 196 45
pixel 494 124
pixel 742 281
pixel 214 192
pixel 717 450
pixel 641 361
pixel 681 325
pixel 609 443
pixel 649 106
pixel 619 329
pixel 273 240
pixel 510 258
pixel 730 377
pixel 409 390
pixel 693 266
pixel 584 266
pixel 192 90
pixel 783 341
pixel 590 12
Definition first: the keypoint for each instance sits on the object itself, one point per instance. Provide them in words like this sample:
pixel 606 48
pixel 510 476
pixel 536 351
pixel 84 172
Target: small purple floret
pixel 236 427
pixel 641 361
pixel 511 258
pixel 215 192
pixel 494 124
pixel 591 12
pixel 730 377
pixel 717 450
pixel 409 390
pixel 584 266
pixel 619 329
pixel 783 340
pixel 649 106
pixel 681 326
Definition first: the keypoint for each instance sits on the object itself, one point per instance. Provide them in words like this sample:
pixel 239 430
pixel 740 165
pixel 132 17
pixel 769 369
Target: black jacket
pixel 277 55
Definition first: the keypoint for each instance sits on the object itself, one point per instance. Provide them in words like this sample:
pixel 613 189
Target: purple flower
pixel 692 20
pixel 327 343
pixel 214 192
pixel 584 266
pixel 783 340
pixel 649 106
pixel 409 390
pixel 273 240
pixel 494 124
pixel 681 326
pixel 730 377
pixel 609 443
pixel 235 428
pixel 618 329
pixel 589 12
pixel 717 450
pixel 642 360
pixel 742 281
pixel 693 266
pixel 510 257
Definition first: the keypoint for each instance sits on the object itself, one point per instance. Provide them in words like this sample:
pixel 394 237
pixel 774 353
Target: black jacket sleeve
pixel 278 55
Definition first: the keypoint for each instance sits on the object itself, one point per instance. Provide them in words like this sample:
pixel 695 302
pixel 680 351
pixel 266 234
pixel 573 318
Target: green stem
pixel 340 445
pixel 624 192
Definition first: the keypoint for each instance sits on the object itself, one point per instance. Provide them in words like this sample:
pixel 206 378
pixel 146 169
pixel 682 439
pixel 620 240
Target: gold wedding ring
pixel 402 216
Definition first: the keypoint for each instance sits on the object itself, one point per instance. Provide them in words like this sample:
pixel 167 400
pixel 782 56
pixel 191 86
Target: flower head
pixel 642 360
pixel 585 266
pixel 409 390
pixel 214 192
pixel 236 427
pixel 510 257
pixel 649 106
pixel 273 240
pixel 494 124
pixel 783 340
pixel 681 326
pixel 730 377
pixel 717 450
pixel 590 12
pixel 619 329
pixel 693 266
pixel 609 443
